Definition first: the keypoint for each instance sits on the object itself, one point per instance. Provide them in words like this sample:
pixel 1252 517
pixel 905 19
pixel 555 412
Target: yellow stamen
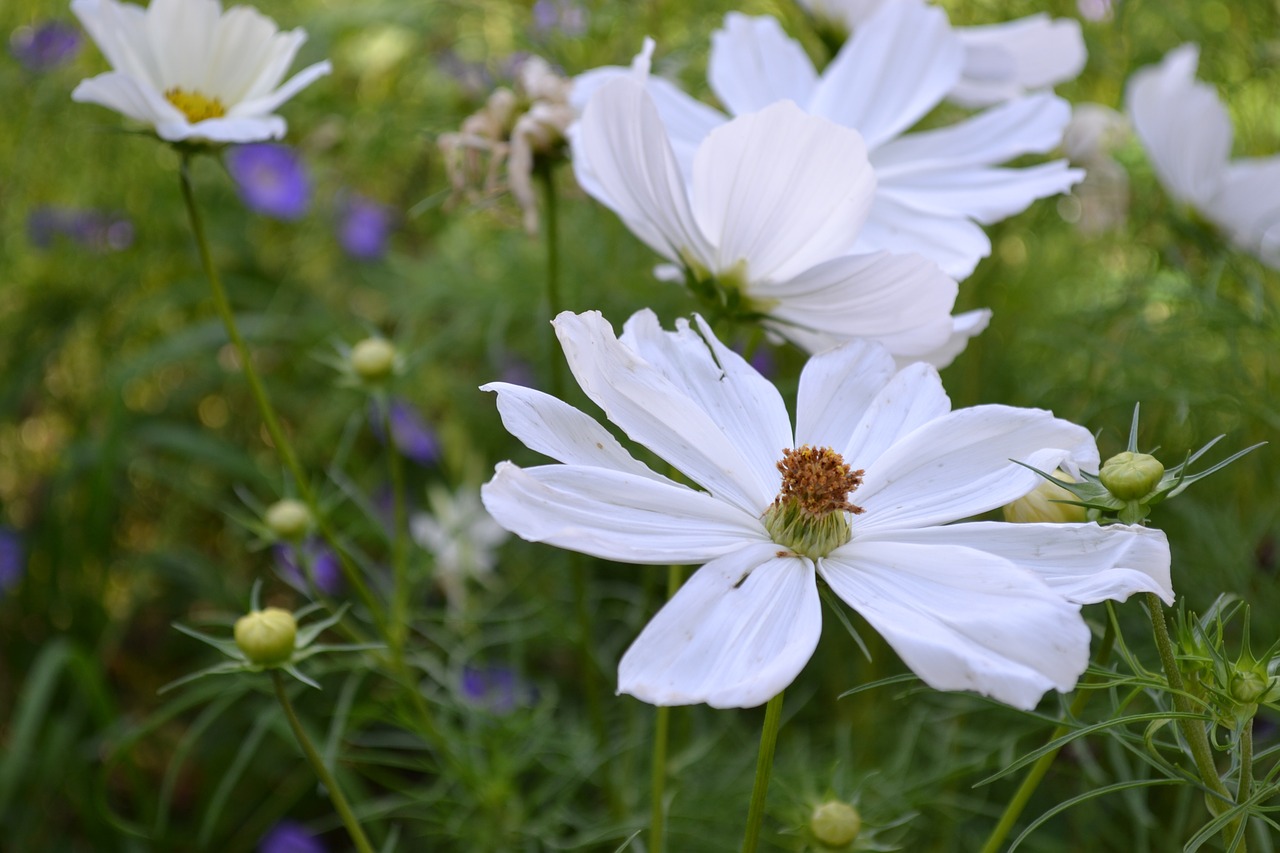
pixel 195 106
pixel 809 514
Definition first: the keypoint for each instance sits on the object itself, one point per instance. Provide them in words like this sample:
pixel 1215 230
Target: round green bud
pixel 267 636
pixel 1131 476
pixel 1247 686
pixel 1038 505
pixel 289 519
pixel 373 359
pixel 835 824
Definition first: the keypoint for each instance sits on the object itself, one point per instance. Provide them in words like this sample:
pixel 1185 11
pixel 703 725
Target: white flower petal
pixel 753 64
pixel 296 84
pixel 959 465
pixel 119 31
pixel 903 301
pixel 233 129
pixel 249 55
pixel 951 241
pixel 1084 563
pixel 615 515
pixel 1031 125
pixel 732 393
pixel 895 69
pixel 1247 205
pixel 780 190
pixel 983 194
pixel 655 412
pixel 125 95
pixel 1183 125
pixel 963 619
pixel 736 634
pixel 836 389
pixel 177 33
pixel 628 157
pixel 556 429
pixel 1005 60
pixel 964 326
pixel 913 398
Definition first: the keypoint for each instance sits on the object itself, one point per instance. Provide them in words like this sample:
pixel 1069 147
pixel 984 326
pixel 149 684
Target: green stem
pixel 330 784
pixel 1038 770
pixel 661 731
pixel 282 444
pixel 554 300
pixel 764 767
pixel 1244 790
pixel 1192 730
pixel 399 628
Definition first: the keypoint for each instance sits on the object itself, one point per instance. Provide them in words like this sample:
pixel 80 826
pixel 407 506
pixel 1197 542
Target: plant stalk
pixel 764 768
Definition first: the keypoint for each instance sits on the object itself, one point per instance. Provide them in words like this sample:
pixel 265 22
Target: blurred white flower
pixel 1094 133
pixel 1095 10
pixel 511 130
pixel 1001 61
pixel 764 221
pixel 1186 131
pixel 984 606
pixel 462 537
pixel 935 187
pixel 192 71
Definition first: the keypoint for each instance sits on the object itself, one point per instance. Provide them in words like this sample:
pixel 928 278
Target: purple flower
pixel 272 179
pixel 413 438
pixel 326 571
pixel 364 228
pixel 45 46
pixel 13 559
pixel 496 689
pixel 96 230
pixel 563 15
pixel 288 836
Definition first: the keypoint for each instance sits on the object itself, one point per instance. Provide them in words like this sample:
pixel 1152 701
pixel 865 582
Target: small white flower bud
pixel 835 824
pixel 267 636
pixel 373 359
pixel 289 519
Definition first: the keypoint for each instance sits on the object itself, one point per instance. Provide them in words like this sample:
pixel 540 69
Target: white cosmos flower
pixel 935 188
pixel 1185 128
pixel 766 215
pixel 983 606
pixel 462 537
pixel 192 71
pixel 1001 61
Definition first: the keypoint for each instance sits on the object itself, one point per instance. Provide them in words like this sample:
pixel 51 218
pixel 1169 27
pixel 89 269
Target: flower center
pixel 810 515
pixel 195 106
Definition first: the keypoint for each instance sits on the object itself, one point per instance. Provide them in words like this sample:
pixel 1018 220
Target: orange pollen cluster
pixel 195 106
pixel 817 480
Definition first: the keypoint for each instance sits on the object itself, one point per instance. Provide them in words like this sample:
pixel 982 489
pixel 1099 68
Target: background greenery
pixel 127 439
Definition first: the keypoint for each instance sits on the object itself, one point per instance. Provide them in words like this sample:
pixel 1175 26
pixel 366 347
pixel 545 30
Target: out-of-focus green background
pixel 126 432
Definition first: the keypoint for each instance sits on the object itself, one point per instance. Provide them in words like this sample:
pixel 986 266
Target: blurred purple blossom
pixel 325 568
pixel 567 17
pixel 272 179
pixel 93 229
pixel 46 46
pixel 413 437
pixel 364 228
pixel 517 371
pixel 13 559
pixel 496 689
pixel 761 357
pixel 288 836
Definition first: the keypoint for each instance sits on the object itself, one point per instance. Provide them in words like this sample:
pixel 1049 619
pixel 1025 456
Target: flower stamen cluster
pixel 195 106
pixel 809 514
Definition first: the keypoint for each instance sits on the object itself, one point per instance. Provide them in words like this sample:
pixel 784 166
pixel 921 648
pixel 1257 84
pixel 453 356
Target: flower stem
pixel 554 300
pixel 269 418
pixel 1038 770
pixel 330 784
pixel 1193 732
pixel 398 628
pixel 764 767
pixel 661 730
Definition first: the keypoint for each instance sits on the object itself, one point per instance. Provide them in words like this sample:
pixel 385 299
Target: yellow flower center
pixel 810 515
pixel 195 106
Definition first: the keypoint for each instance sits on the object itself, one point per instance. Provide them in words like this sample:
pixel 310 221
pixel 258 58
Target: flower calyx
pixel 810 515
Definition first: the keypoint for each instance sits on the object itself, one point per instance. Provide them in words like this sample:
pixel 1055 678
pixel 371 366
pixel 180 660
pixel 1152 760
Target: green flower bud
pixel 1131 476
pixel 835 824
pixel 1248 686
pixel 1039 505
pixel 267 636
pixel 373 359
pixel 289 519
